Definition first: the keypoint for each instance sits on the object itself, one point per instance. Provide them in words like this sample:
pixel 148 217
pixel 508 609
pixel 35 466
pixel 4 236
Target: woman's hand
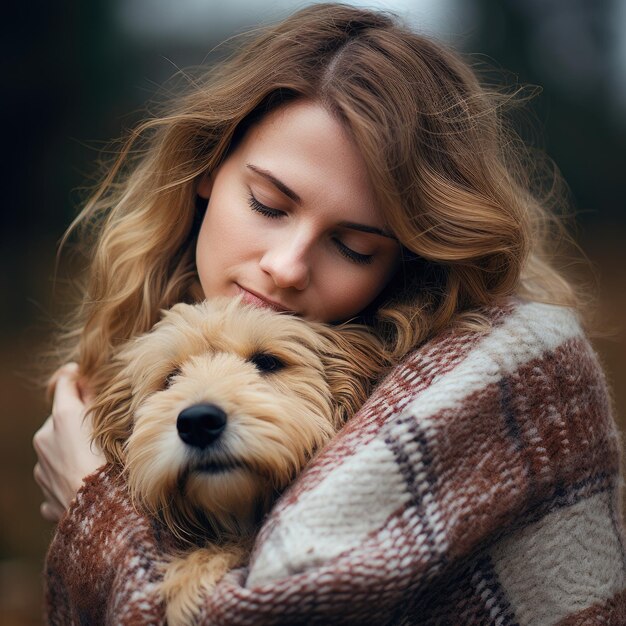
pixel 63 445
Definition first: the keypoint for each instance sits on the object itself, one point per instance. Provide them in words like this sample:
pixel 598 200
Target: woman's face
pixel 292 222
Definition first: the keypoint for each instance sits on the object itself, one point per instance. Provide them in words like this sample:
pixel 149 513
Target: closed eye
pixel 267 211
pixel 350 254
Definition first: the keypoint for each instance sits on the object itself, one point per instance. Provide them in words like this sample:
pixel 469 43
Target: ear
pixel 205 185
pixel 353 365
pixel 112 415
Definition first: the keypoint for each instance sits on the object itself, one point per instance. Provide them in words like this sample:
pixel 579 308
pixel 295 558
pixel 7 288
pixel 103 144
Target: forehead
pixel 309 150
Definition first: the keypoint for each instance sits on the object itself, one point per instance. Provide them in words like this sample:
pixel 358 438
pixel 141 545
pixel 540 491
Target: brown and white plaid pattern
pixel 478 485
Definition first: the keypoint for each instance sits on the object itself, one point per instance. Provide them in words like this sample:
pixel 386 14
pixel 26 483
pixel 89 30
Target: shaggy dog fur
pixel 213 413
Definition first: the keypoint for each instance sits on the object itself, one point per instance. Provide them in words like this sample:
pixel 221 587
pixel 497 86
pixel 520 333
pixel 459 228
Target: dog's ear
pixel 354 363
pixel 111 412
pixel 112 409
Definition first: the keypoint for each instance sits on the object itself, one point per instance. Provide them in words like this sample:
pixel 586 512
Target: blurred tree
pixel 568 48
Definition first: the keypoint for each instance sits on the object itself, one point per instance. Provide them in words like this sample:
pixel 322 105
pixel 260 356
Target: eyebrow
pixel 292 195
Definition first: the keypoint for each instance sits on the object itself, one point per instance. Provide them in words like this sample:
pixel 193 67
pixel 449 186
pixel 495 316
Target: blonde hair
pixel 454 185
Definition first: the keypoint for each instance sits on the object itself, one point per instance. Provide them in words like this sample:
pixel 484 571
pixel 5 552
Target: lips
pixel 257 300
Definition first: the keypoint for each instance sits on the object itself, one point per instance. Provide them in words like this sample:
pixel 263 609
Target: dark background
pixel 76 75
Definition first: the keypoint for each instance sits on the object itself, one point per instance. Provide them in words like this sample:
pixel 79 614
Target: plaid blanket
pixel 478 485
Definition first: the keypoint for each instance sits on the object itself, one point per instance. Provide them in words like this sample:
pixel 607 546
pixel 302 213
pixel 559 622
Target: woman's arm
pixel 103 563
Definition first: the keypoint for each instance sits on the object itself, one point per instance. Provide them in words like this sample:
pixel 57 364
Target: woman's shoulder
pixel 530 382
pixel 517 338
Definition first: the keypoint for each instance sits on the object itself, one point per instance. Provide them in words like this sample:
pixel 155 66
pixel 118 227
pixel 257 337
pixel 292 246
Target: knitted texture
pixel 479 484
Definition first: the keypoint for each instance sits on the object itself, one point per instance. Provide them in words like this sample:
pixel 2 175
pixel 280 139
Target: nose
pixel 201 424
pixel 287 264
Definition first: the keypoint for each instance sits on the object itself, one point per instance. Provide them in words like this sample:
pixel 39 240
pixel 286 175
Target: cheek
pixel 348 294
pixel 228 226
pixel 227 237
pixel 203 249
pixel 213 244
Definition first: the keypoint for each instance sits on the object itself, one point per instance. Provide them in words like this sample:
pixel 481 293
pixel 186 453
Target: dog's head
pixel 218 407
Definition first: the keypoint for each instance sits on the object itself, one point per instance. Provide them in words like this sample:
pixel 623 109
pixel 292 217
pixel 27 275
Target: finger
pixel 68 368
pixel 41 479
pixel 67 401
pixel 48 480
pixel 86 392
pixel 40 437
pixel 51 512
pixel 41 475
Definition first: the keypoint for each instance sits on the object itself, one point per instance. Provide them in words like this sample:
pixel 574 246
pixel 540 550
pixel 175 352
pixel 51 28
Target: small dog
pixel 213 413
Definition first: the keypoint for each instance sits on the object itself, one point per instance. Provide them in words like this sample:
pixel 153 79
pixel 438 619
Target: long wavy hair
pixel 464 198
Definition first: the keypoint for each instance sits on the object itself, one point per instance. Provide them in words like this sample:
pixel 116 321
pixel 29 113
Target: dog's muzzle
pixel 201 424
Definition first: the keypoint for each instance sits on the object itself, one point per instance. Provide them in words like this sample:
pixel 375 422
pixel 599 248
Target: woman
pixel 338 167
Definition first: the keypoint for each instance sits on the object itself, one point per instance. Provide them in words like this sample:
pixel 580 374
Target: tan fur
pixel 188 578
pixel 276 421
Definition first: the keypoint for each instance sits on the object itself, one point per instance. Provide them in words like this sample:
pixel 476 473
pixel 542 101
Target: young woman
pixel 339 166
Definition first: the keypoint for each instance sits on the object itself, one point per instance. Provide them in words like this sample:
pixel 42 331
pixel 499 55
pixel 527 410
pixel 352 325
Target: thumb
pixel 67 403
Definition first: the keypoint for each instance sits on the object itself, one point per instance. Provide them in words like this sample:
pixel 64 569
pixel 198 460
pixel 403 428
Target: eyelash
pixel 348 253
pixel 255 205
pixel 361 259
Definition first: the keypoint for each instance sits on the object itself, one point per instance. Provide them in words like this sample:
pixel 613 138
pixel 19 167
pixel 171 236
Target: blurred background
pixel 78 74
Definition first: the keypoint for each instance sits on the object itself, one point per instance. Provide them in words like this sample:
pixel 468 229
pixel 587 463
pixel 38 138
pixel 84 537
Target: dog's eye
pixel 265 362
pixel 170 377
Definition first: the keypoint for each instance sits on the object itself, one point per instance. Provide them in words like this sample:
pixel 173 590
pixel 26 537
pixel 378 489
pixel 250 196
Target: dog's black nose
pixel 201 424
